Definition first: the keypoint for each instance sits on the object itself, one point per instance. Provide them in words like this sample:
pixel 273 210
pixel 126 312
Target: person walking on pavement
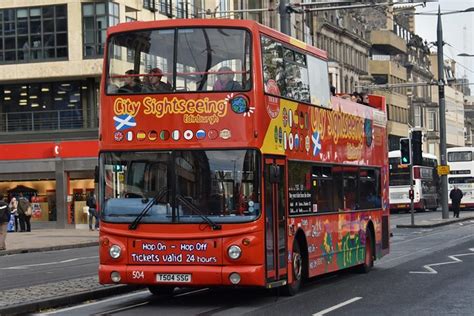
pixel 14 211
pixel 91 202
pixel 4 219
pixel 24 213
pixel 456 195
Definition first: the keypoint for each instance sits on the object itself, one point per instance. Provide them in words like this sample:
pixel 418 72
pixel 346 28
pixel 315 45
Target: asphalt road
pixel 398 285
pixel 24 270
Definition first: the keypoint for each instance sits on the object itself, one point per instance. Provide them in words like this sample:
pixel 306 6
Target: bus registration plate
pixel 175 278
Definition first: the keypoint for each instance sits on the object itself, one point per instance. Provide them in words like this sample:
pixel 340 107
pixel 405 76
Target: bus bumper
pixel 200 275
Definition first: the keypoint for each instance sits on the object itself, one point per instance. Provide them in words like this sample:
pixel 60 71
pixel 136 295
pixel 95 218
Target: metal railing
pixel 44 121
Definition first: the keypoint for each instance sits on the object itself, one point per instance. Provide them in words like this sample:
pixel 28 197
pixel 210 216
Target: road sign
pixel 443 170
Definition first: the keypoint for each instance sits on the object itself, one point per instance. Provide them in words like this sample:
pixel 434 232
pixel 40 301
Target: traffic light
pixel 416 147
pixel 405 148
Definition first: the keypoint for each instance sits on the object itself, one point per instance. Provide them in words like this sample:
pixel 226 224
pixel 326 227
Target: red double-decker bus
pixel 224 161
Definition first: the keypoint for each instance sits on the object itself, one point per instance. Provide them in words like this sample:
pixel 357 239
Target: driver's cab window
pixel 145 180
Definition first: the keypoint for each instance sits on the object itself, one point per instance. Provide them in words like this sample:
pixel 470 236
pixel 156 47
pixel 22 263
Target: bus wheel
pixel 296 270
pixel 161 290
pixel 369 254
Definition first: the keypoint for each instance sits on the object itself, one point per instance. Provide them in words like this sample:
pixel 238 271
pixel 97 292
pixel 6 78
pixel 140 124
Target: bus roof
pixel 460 149
pixel 249 24
pixel 396 154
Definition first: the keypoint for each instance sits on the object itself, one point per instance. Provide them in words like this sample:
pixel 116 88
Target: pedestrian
pixel 14 211
pixel 91 202
pixel 4 219
pixel 24 213
pixel 456 195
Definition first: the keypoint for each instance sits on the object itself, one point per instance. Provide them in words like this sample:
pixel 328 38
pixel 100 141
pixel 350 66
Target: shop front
pixel 55 177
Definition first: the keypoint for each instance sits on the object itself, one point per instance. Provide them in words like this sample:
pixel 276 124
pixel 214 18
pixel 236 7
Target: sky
pixel 458 32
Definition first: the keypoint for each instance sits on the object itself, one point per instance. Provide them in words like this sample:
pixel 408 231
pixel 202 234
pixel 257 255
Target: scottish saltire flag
pixel 316 143
pixel 124 121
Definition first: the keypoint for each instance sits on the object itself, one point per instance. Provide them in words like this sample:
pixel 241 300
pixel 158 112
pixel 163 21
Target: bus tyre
pixel 369 254
pixel 296 270
pixel 161 290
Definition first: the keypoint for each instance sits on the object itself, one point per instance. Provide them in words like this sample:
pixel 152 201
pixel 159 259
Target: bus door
pixel 275 221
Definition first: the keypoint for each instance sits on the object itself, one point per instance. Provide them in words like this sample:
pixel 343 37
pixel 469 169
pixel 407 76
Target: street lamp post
pixel 442 110
pixel 442 117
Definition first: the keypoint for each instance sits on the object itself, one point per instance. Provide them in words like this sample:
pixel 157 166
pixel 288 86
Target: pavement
pixel 436 221
pixel 69 292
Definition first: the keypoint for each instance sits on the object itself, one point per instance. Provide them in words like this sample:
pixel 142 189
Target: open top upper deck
pixel 229 84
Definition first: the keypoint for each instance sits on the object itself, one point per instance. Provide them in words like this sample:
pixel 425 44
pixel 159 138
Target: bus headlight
pixel 115 251
pixel 234 252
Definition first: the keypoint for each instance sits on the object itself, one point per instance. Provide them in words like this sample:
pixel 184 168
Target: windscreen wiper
pixel 161 193
pixel 193 208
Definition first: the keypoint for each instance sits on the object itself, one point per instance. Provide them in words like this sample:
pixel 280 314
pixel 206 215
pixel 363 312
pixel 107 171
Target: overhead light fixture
pixel 84 87
pixel 61 92
pixel 65 84
pixel 23 100
pixel 34 105
pixel 23 94
pixel 24 87
pixel 7 98
pixel 77 94
pixel 33 97
pixel 58 99
pixel 71 105
pixel 44 89
pixel 7 91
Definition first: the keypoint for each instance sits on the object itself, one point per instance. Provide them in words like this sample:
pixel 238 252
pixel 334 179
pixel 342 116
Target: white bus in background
pixel 461 173
pixel 425 187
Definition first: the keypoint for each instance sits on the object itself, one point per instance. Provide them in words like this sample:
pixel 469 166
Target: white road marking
pixel 27 266
pixel 424 249
pixel 330 309
pixel 455 259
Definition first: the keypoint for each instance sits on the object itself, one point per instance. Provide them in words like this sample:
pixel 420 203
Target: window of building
pixel 417 116
pixel 165 8
pixel 431 148
pixel 150 5
pixel 45 106
pixel 33 34
pixel 96 18
pixel 431 124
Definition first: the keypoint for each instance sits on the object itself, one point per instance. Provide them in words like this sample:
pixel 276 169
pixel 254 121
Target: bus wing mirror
pixel 274 173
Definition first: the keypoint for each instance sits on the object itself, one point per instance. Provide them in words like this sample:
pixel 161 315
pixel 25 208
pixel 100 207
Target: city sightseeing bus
pixel 461 173
pixel 224 161
pixel 426 184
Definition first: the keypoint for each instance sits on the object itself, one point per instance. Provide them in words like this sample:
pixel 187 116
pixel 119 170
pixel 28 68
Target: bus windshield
pixel 179 60
pixel 221 185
